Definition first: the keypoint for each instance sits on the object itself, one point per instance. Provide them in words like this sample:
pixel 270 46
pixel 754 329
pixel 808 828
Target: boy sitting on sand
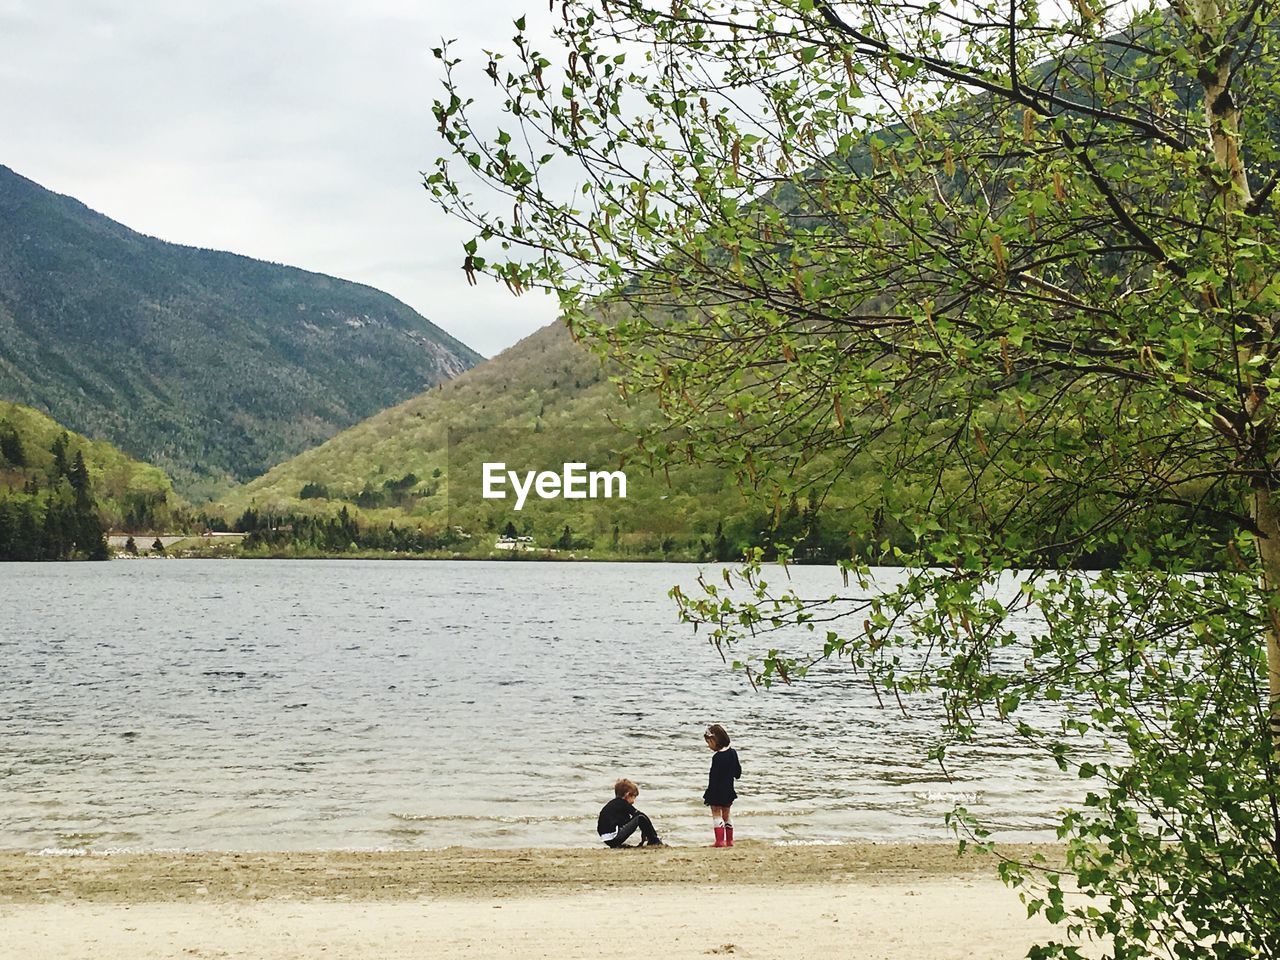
pixel 619 819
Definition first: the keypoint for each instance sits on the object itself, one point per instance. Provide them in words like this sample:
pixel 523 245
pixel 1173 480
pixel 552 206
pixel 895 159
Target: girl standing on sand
pixel 719 795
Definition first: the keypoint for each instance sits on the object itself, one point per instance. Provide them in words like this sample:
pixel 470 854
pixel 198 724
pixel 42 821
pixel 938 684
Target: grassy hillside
pixel 210 365
pixel 119 483
pixel 540 404
pixel 547 401
pixel 61 492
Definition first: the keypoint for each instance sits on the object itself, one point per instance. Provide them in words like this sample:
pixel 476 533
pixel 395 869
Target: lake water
pixel 237 705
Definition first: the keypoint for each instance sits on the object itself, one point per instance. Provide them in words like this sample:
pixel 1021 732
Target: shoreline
pixel 503 557
pixel 469 872
pixel 754 901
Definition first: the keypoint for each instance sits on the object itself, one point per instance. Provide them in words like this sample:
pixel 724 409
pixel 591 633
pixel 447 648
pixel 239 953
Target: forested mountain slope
pixel 59 491
pixel 543 402
pixel 208 364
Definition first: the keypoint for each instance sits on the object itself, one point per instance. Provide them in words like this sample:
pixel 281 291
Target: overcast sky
pixel 289 130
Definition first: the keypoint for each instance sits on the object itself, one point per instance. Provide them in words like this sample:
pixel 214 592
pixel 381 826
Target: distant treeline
pixel 796 530
pixel 56 520
pixel 342 533
pixel 390 493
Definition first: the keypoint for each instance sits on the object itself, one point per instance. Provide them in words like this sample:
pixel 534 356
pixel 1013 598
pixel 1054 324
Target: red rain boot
pixel 728 834
pixel 720 838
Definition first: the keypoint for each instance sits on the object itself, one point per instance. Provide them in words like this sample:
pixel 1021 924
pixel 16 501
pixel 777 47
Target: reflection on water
pixel 305 705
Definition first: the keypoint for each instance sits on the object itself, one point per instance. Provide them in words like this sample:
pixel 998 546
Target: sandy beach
pixel 917 902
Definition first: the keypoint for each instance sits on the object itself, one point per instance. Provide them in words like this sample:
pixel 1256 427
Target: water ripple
pixel 280 705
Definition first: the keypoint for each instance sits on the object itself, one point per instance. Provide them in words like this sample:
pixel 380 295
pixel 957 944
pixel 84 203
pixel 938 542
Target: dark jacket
pixel 725 769
pixel 613 815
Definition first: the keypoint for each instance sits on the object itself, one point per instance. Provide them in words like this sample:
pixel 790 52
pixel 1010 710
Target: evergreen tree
pixel 54 541
pixel 8 529
pixel 59 451
pixel 91 541
pixel 348 527
pixel 27 542
pixel 79 477
pixel 721 550
pixel 11 449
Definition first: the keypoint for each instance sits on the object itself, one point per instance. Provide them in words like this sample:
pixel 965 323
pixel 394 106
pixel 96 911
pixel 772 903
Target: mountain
pixel 211 365
pixel 410 479
pixel 544 402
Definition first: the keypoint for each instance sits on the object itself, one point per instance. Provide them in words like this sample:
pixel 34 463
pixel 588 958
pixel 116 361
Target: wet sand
pixel 856 900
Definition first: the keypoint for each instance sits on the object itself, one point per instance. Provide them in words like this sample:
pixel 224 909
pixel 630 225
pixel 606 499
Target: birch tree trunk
pixel 1269 548
pixel 1222 117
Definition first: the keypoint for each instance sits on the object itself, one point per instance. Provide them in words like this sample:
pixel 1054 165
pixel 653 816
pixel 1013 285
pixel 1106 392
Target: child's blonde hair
pixel 625 788
pixel 718 735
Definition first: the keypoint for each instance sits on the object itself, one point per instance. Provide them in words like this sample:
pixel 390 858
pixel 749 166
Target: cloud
pixel 290 130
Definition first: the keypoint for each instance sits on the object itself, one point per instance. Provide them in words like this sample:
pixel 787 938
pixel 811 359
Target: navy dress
pixel 725 769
